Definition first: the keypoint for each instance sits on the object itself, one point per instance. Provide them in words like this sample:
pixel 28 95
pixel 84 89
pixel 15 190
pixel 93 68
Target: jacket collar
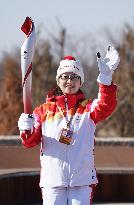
pixel 72 99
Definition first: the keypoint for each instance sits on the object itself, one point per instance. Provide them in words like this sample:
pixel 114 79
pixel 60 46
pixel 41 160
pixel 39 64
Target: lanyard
pixel 68 121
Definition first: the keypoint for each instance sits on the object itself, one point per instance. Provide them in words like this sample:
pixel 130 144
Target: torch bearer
pixel 27 53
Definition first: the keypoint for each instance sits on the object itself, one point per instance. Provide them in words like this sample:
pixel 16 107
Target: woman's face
pixel 69 83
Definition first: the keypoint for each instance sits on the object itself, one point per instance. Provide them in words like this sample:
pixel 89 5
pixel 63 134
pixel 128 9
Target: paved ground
pixel 106 157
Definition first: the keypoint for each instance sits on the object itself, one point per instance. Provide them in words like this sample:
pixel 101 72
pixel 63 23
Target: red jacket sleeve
pixel 31 139
pixel 103 107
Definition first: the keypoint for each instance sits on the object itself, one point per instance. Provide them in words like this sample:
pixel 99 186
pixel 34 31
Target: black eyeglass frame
pixel 71 77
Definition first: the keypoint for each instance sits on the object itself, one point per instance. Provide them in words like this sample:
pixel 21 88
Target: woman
pixel 65 126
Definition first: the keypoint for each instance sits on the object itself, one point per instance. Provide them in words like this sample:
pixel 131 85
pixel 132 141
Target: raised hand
pixel 107 65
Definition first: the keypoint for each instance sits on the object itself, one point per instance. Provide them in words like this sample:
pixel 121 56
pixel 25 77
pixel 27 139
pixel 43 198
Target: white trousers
pixel 80 195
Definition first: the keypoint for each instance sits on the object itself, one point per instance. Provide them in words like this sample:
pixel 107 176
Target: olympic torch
pixel 27 53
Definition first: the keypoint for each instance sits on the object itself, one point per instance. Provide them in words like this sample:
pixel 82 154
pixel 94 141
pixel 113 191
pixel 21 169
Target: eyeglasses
pixel 71 77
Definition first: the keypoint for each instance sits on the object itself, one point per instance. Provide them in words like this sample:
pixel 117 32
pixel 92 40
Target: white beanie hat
pixel 69 64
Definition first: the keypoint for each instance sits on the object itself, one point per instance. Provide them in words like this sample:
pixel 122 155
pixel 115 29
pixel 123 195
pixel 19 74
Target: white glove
pixel 26 122
pixel 107 65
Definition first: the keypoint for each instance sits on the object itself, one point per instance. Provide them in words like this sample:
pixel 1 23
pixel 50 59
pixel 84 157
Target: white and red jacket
pixel 69 165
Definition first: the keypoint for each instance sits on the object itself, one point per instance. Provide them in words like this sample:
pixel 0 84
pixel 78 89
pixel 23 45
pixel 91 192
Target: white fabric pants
pixel 80 195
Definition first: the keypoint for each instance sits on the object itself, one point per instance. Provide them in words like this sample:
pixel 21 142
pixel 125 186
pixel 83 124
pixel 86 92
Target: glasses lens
pixel 71 77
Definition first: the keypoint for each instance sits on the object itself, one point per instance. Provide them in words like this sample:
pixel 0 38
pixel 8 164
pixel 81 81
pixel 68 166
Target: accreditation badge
pixel 66 136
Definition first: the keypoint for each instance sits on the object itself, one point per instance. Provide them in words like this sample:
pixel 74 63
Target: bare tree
pixel 44 71
pixel 11 96
pixel 122 121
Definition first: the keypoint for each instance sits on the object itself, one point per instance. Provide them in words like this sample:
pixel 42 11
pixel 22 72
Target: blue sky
pixel 78 16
